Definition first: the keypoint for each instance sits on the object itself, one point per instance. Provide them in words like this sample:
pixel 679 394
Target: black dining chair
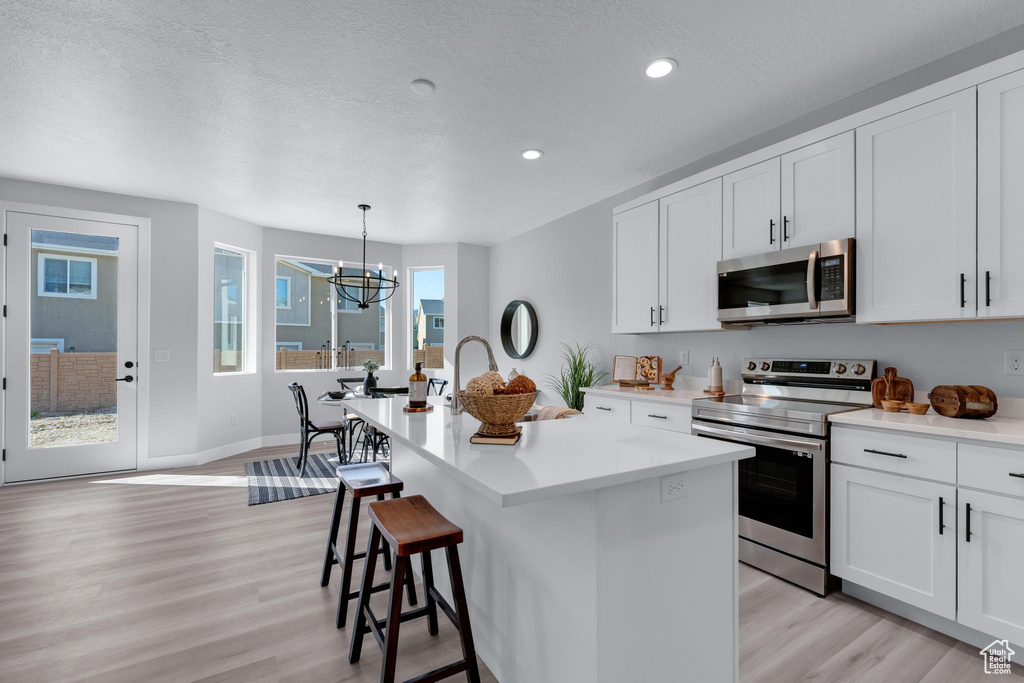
pixel 309 430
pixel 373 438
pixel 353 422
pixel 437 384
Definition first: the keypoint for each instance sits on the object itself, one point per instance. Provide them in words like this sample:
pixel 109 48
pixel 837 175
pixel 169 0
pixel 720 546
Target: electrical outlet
pixel 684 357
pixel 1013 363
pixel 234 418
pixel 673 487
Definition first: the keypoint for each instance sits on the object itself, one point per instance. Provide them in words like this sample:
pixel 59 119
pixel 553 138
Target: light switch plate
pixel 673 487
pixel 161 355
pixel 684 357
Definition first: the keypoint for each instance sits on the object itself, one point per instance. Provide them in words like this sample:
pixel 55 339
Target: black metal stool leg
pixel 462 611
pixel 346 570
pixel 364 595
pixel 332 536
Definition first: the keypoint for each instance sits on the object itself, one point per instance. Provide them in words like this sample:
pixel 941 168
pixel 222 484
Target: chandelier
pixel 368 286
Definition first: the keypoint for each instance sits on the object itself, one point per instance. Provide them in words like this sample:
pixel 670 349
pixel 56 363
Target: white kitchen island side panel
pixel 657 579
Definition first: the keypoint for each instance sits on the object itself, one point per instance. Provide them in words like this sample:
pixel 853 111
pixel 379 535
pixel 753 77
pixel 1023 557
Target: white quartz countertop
pixel 553 458
pixel 682 396
pixel 1004 430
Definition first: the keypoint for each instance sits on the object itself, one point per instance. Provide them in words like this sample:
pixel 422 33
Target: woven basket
pixel 497 414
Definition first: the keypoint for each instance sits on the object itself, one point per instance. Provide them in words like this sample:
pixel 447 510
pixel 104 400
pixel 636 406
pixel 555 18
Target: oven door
pixel 782 489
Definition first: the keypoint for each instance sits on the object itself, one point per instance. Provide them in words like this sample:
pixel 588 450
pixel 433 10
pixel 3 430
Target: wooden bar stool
pixel 369 479
pixel 412 526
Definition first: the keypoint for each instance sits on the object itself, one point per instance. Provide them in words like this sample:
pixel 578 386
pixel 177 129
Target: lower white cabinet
pixel 896 535
pixel 616 409
pixel 675 418
pixel 991 564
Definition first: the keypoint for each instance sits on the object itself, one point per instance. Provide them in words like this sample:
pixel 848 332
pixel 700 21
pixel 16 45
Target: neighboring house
pixel 74 292
pixel 429 327
pixel 302 298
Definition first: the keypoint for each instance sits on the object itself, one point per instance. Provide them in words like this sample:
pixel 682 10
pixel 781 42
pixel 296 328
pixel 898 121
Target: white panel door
pixel 72 333
pixel 691 247
pixel 818 192
pixel 635 269
pixel 750 210
pixel 992 564
pixel 1001 196
pixel 916 223
pixel 887 536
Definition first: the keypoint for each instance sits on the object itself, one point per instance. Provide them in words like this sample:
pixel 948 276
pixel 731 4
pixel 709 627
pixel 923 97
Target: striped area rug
pixel 273 480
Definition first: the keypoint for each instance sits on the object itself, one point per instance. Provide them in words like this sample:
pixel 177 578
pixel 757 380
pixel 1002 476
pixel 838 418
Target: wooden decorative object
pixel 497 414
pixel 961 400
pixel 918 408
pixel 891 387
pixel 718 394
pixel 892 406
pixel 410 409
pixel 668 378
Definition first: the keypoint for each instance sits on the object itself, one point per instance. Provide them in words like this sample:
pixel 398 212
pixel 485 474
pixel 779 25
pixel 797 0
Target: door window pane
pixel 228 310
pixel 73 352
pixel 303 327
pixel 428 317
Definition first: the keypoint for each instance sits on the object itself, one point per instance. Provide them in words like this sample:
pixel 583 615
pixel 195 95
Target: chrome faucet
pixel 456 404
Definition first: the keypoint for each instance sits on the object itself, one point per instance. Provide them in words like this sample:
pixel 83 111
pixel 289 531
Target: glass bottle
pixel 418 388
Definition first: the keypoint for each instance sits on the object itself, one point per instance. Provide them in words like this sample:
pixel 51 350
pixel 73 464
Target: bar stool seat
pixel 412 526
pixel 362 481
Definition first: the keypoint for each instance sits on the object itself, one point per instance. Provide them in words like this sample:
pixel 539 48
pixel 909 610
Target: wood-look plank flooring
pixel 170 576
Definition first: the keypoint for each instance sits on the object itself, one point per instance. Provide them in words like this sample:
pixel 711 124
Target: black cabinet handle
pixel 1019 475
pixel 771 231
pixel 660 417
pixel 785 228
pixel 988 287
pixel 963 290
pixel 891 455
pixel 652 316
pixel 127 378
pixel 941 525
pixel 603 408
pixel 968 523
pixel 661 315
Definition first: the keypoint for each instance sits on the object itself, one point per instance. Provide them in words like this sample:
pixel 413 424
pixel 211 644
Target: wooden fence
pixel 70 382
pixel 431 356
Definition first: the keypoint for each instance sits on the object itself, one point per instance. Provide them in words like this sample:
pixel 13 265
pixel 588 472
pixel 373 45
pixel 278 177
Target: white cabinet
pixel 916 223
pixel 690 249
pixel 888 535
pixel 661 415
pixel 635 269
pixel 991 559
pixel 750 210
pixel 818 192
pixel 605 408
pixel 1000 197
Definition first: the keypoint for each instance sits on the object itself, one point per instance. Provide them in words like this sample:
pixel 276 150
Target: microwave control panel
pixel 833 278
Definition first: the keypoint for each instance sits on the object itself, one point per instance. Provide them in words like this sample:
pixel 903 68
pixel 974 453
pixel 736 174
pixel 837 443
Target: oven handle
pixel 812 278
pixel 749 436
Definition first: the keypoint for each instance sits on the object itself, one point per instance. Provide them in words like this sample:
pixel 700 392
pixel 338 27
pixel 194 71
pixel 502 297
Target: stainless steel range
pixel 783 490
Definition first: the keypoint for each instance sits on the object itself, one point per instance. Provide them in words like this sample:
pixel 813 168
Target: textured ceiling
pixel 288 113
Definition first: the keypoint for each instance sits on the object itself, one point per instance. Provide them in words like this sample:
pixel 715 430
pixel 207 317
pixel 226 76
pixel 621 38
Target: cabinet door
pixel 691 247
pixel 916 224
pixel 1000 198
pixel 817 192
pixel 635 268
pixel 991 562
pixel 886 536
pixel 750 210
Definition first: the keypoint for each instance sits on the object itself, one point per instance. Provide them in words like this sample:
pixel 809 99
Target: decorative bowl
pixel 497 414
pixel 892 406
pixel 918 408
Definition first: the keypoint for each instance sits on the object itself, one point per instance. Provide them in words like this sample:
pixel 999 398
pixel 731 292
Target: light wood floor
pixel 177 579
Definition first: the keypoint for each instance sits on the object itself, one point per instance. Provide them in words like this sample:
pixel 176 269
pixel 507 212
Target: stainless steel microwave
pixel 802 284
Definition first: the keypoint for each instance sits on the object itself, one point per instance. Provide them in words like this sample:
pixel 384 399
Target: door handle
pixel 785 228
pixel 771 231
pixel 941 525
pixel 1019 475
pixel 968 522
pixel 891 455
pixel 652 316
pixel 126 378
pixel 963 290
pixel 988 287
pixel 661 315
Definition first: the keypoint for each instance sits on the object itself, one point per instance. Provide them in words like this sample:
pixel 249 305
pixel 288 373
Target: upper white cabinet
pixel 1000 197
pixel 916 224
pixel 690 248
pixel 750 210
pixel 818 192
pixel 635 269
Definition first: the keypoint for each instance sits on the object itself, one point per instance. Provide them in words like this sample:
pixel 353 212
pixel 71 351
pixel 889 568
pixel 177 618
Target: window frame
pixel 410 304
pixel 247 305
pixel 57 256
pixel 288 292
pixel 437 318
pixel 288 346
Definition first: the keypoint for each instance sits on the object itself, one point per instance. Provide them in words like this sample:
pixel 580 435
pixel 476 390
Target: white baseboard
pixel 166 462
pixel 219 453
pixel 228 450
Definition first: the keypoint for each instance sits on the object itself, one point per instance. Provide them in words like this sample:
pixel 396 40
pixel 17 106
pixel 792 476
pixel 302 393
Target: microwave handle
pixel 812 276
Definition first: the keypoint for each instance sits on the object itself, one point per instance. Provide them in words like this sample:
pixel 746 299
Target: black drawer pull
pixel 1019 475
pixel 941 524
pixel 660 417
pixel 968 522
pixel 891 455
pixel 603 408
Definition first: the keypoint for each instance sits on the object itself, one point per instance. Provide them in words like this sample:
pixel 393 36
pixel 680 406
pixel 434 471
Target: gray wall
pixel 563 268
pixel 89 325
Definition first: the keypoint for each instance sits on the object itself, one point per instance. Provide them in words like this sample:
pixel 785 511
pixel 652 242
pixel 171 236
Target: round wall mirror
pixel 519 329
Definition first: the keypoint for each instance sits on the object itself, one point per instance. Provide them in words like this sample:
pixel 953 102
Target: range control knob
pixel 751 366
pixel 859 369
pixel 766 366
pixel 839 368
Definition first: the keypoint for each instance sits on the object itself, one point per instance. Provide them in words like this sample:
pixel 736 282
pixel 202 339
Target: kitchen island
pixel 594 551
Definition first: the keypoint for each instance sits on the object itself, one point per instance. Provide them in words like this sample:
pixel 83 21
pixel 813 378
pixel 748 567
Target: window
pixel 361 333
pixel 427 298
pixel 345 305
pixel 289 346
pixel 283 292
pixel 229 310
pixel 67 276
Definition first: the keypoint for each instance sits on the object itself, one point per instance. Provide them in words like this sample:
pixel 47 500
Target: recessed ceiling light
pixel 532 154
pixel 661 67
pixel 422 86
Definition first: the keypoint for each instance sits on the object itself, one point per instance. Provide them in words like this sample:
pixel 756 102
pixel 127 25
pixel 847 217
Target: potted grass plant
pixel 578 372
